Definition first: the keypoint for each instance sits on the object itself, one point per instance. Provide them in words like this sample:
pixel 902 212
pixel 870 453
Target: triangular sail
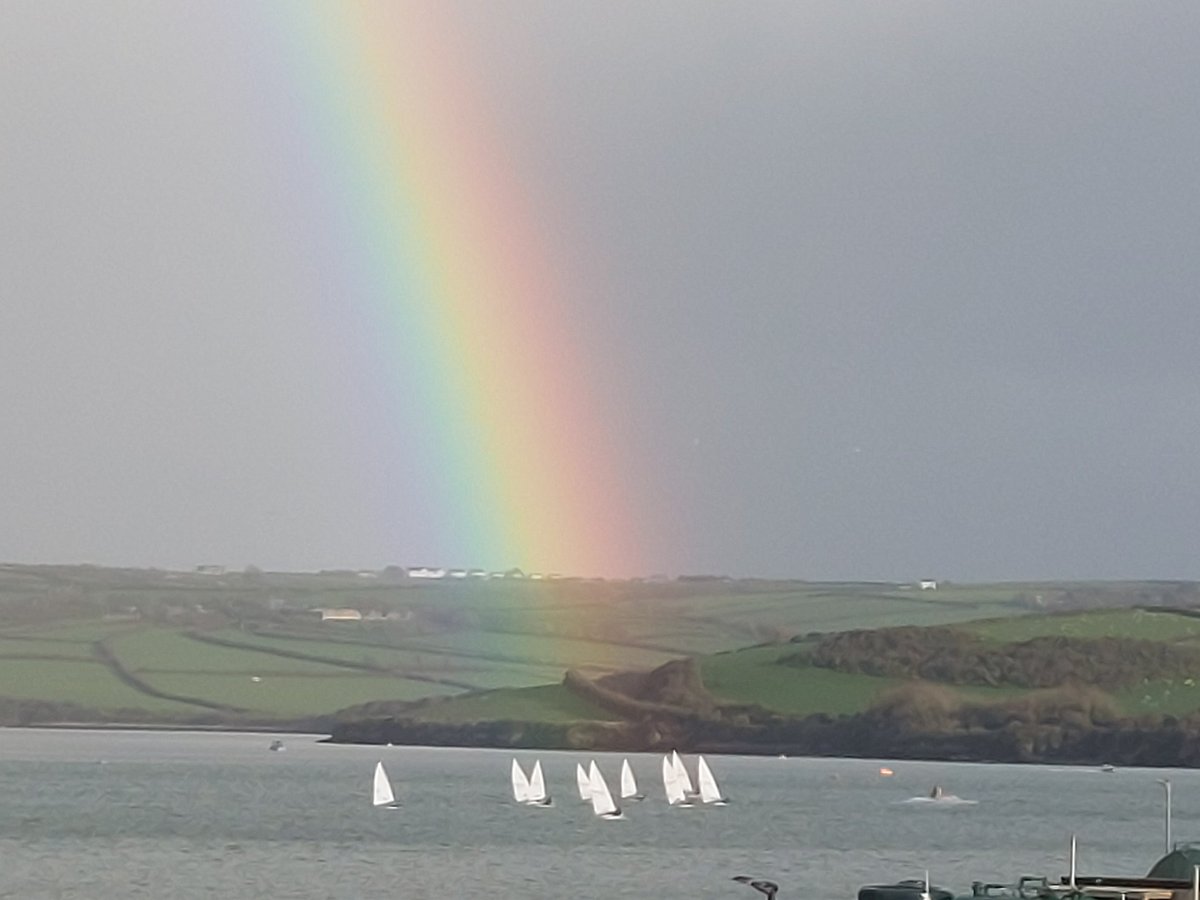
pixel 671 783
pixel 582 782
pixel 381 788
pixel 628 783
pixel 709 792
pixel 520 784
pixel 685 780
pixel 602 801
pixel 537 784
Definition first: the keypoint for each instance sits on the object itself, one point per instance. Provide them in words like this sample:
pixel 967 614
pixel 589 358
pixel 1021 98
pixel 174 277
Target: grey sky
pixel 893 290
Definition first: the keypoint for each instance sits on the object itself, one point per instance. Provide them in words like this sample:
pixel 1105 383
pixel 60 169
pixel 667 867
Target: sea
pixel 123 814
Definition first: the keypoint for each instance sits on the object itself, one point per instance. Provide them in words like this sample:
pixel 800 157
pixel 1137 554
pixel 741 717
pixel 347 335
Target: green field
pixel 293 694
pixel 163 650
pixel 34 647
pixel 87 684
pixel 549 703
pixel 108 639
pixel 1144 624
pixel 753 676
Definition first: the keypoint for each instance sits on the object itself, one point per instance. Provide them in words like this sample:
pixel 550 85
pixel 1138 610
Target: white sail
pixel 520 784
pixel 709 792
pixel 602 801
pixel 672 784
pixel 537 785
pixel 582 782
pixel 381 788
pixel 628 783
pixel 685 780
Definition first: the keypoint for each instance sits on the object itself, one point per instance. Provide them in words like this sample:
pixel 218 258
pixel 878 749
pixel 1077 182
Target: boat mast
pixel 1166 783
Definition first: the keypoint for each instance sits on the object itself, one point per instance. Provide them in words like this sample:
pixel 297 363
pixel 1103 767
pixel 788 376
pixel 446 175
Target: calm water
pixel 97 814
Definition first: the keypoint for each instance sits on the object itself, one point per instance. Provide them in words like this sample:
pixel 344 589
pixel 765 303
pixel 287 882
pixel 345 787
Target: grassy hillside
pixel 755 675
pixel 125 643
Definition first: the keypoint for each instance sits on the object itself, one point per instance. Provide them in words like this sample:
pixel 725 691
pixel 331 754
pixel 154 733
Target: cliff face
pixel 673 690
pixel 850 736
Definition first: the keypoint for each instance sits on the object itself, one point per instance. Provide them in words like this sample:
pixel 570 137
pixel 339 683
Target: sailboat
pixel 582 782
pixel 520 784
pixel 629 789
pixel 672 785
pixel 537 787
pixel 685 780
pixel 709 792
pixel 602 801
pixel 381 788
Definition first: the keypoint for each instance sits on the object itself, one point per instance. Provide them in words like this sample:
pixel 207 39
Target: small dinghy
pixel 709 792
pixel 629 789
pixel 673 785
pixel 381 789
pixel 602 801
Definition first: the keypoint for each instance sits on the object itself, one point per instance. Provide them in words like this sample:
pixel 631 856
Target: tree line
pixel 957 656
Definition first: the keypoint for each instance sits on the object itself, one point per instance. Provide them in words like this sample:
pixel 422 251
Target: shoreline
pixel 428 740
pixel 161 726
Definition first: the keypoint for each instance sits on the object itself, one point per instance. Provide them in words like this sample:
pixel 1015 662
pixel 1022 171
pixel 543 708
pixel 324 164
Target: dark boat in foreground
pixel 1174 877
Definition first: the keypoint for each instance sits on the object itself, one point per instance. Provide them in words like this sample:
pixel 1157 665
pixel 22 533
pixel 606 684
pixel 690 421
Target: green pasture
pixel 1172 697
pixel 792 613
pixel 547 703
pixel 481 674
pixel 83 632
pixel 754 677
pixel 349 651
pixel 280 694
pixel 553 652
pixel 1145 624
pixel 498 634
pixel 159 649
pixel 39 647
pixel 91 685
pixel 503 675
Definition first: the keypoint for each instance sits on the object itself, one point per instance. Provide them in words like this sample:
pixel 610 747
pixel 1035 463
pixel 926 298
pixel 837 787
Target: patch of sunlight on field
pixel 753 676
pixel 1144 624
pixel 294 695
pixel 86 684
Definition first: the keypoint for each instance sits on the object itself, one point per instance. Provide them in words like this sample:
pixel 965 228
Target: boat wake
pixel 944 800
pixel 937 796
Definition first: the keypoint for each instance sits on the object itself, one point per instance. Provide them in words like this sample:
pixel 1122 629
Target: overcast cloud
pixel 892 290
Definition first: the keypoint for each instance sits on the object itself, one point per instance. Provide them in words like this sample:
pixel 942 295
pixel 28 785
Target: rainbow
pixel 458 294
